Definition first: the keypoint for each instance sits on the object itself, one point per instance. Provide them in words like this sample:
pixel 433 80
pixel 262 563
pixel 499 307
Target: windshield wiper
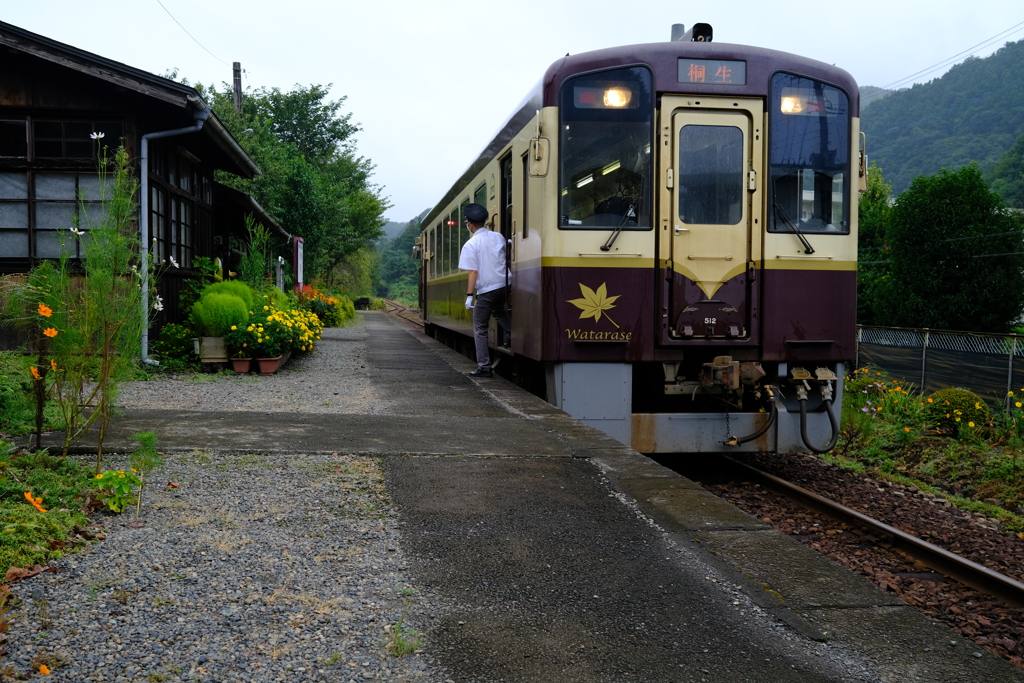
pixel 630 213
pixel 808 249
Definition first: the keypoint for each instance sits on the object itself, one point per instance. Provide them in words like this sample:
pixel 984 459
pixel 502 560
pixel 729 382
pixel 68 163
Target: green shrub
pixel 215 313
pixel 175 343
pixel 952 410
pixel 234 288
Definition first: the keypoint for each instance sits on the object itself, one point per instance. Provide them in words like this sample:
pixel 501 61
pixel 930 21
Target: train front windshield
pixel 809 156
pixel 605 150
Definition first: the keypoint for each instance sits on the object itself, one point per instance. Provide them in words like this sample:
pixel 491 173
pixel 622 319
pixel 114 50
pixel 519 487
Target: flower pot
pixel 241 365
pixel 268 366
pixel 212 350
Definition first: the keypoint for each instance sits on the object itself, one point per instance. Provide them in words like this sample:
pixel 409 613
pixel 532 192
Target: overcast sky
pixel 430 82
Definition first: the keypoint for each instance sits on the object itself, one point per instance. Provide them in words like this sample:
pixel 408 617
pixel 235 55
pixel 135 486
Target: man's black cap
pixel 475 214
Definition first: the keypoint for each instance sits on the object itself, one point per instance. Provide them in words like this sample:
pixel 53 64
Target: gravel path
pixel 253 568
pixel 261 567
pixel 340 355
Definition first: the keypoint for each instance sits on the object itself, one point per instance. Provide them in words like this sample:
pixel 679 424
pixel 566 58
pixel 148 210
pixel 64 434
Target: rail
pixel 952 565
pixel 399 310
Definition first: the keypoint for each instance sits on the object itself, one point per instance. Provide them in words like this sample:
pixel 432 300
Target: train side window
pixel 711 175
pixel 480 196
pixel 461 221
pixel 809 155
pixel 446 246
pixel 433 252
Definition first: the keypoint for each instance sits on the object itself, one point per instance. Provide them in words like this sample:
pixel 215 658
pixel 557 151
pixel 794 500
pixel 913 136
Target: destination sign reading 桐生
pixel 712 71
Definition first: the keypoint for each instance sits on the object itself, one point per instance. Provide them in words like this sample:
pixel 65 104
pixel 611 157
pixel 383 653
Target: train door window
pixel 605 155
pixel 809 155
pixel 711 175
pixel 480 196
pixel 506 197
pixel 526 205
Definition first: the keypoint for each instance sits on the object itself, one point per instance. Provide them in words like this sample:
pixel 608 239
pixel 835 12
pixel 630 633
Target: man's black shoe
pixel 482 372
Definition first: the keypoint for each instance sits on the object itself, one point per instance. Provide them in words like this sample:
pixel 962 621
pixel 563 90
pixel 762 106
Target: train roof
pixel 662 59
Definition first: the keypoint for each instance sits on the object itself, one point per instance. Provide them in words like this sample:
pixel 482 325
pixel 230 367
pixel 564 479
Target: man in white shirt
pixel 484 257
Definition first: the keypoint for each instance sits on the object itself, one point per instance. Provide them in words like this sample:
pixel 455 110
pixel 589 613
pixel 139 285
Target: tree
pixel 1007 177
pixel 956 257
pixel 397 270
pixel 874 210
pixel 312 183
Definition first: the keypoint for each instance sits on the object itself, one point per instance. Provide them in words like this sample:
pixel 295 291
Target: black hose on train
pixel 802 397
pixel 773 414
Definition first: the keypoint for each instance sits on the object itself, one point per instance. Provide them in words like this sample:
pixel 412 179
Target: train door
pixel 505 227
pixel 711 161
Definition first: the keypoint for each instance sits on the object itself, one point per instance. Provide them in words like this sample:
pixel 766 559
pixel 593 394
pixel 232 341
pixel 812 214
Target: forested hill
pixel 975 112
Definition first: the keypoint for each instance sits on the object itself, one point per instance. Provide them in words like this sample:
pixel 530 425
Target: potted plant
pixel 212 317
pixel 262 338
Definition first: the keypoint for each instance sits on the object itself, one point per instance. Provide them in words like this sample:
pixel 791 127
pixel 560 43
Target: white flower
pixel 97 136
pixel 76 230
pixel 174 263
pixel 158 305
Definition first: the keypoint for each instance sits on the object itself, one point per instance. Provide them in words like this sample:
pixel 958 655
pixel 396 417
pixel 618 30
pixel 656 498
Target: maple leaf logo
pixel 593 304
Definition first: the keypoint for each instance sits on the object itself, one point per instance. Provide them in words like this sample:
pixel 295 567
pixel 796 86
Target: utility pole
pixel 237 71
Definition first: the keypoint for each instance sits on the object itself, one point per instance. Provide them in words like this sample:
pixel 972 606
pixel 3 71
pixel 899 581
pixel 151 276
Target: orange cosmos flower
pixel 43 669
pixel 44 310
pixel 37 503
pixel 50 332
pixel 35 373
pixel 53 364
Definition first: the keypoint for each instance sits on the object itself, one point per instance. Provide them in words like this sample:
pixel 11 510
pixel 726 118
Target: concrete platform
pixel 562 555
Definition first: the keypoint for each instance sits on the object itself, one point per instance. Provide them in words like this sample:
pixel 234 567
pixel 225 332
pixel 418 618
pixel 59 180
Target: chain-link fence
pixel 990 365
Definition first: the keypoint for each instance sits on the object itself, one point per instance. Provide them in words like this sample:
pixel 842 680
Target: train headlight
pixel 793 105
pixel 617 97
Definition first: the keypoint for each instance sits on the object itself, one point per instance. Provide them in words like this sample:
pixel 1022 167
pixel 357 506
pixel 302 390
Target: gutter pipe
pixel 200 114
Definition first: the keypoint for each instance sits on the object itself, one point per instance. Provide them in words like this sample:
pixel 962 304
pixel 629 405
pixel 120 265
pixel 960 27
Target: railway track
pixel 888 540
pixel 950 564
pixel 398 310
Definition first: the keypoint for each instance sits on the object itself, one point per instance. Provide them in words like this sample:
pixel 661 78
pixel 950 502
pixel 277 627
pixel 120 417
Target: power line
pixel 988 41
pixel 190 35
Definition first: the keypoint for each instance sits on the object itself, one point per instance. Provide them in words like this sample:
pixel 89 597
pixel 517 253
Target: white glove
pixel 469 302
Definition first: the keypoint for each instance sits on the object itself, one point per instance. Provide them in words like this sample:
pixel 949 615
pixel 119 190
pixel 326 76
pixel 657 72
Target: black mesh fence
pixel 989 365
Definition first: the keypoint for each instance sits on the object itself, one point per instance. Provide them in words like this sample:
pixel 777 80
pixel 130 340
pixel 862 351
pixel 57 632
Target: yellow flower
pixel 50 332
pixel 970 424
pixel 234 327
pixel 1018 404
pixel 958 419
pixel 44 310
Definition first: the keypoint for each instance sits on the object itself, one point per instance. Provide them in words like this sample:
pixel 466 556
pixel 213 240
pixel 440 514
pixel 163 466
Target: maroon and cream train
pixel 682 221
